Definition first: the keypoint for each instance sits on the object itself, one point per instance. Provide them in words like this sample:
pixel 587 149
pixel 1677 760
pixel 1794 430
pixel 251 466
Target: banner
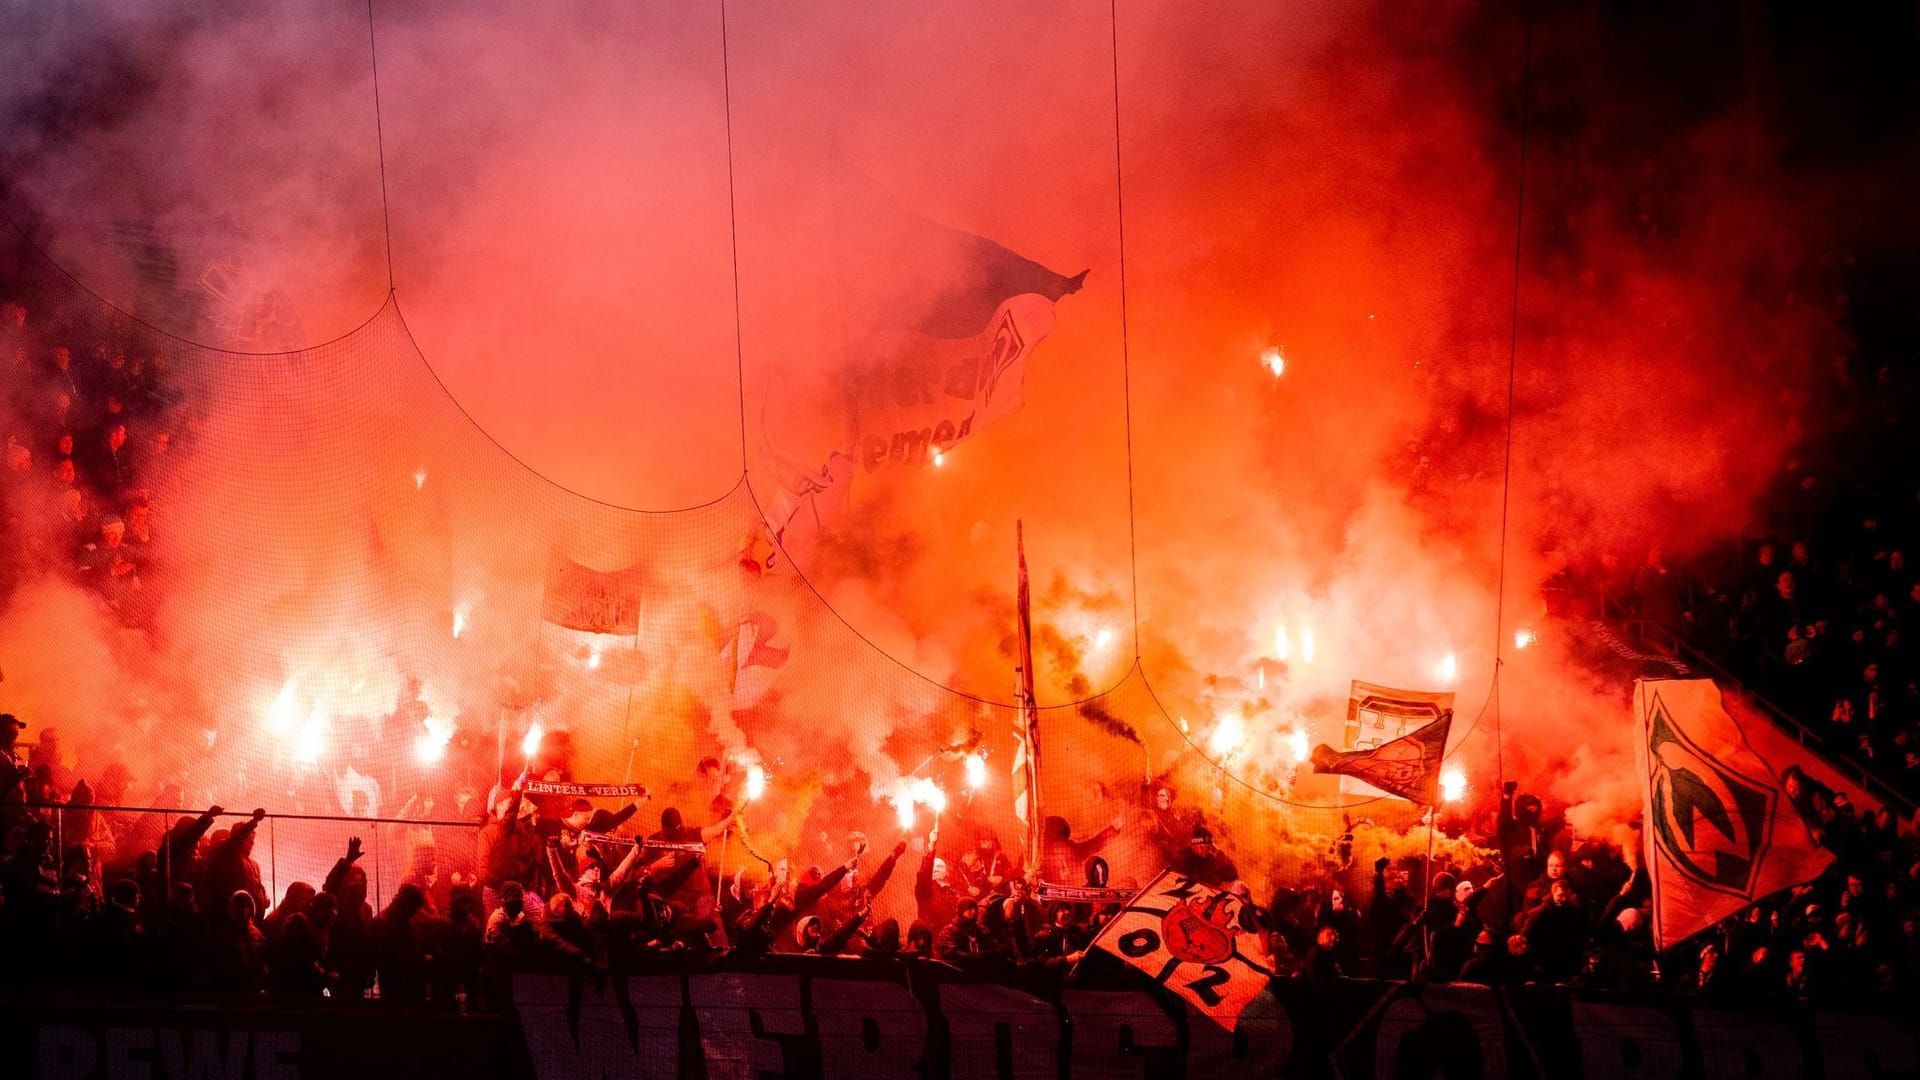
pixel 1079 894
pixel 1188 938
pixel 1379 714
pixel 695 846
pixel 1408 766
pixel 753 659
pixel 1733 811
pixel 828 1017
pixel 592 601
pixel 587 791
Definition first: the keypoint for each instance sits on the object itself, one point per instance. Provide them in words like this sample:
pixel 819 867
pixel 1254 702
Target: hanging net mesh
pixel 305 581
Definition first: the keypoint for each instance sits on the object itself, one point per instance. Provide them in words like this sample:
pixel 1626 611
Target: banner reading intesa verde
pixel 831 1018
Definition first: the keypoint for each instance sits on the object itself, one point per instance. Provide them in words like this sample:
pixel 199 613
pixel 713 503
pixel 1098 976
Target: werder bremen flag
pixel 1408 766
pixel 1188 937
pixel 945 352
pixel 593 601
pixel 1733 812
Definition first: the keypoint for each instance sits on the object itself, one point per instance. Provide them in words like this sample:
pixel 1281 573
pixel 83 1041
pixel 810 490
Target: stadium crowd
pixel 89 430
pixel 1815 605
pixel 550 883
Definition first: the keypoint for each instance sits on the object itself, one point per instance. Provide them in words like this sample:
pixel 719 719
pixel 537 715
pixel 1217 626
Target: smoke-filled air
pixel 607 402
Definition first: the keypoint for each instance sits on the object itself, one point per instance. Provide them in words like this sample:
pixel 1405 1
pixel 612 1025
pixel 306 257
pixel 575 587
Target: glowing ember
pixel 459 621
pixel 1447 668
pixel 939 458
pixel 1228 733
pixel 1273 360
pixel 285 711
pixel 1524 638
pixel 976 772
pixel 530 745
pixel 756 782
pixel 419 480
pixel 1453 784
pixel 593 660
pixel 1297 747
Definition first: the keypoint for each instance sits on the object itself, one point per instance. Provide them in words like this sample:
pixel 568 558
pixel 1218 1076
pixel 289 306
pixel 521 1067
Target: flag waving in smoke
pixel 1026 724
pixel 592 601
pixel 1732 812
pixel 952 326
pixel 1190 938
pixel 1408 766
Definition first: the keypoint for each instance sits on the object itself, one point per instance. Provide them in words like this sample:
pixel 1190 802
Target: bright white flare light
pixel 1524 638
pixel 1306 644
pixel 976 772
pixel 939 458
pixel 459 621
pixel 530 745
pixel 915 793
pixel 312 737
pixel 756 782
pixel 432 746
pixel 1280 642
pixel 1447 669
pixel 1102 639
pixel 1228 734
pixel 593 660
pixel 285 711
pixel 1273 360
pixel 1297 747
pixel 419 479
pixel 1453 784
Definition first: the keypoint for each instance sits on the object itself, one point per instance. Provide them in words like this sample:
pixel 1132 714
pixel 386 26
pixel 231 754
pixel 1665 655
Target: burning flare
pixel 1453 784
pixel 1228 734
pixel 1524 638
pixel 1274 360
pixel 1447 669
pixel 756 783
pixel 976 772
pixel 530 745
pixel 1297 747
pixel 285 711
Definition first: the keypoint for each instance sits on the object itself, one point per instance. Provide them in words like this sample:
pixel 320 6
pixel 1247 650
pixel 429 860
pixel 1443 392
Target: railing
pixel 326 840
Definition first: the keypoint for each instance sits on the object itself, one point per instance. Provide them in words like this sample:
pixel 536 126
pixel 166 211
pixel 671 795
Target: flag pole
pixel 1426 935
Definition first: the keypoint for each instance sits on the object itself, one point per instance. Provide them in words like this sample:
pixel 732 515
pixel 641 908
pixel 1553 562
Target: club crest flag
pixel 1408 766
pixel 1190 938
pixel 1733 811
pixel 592 601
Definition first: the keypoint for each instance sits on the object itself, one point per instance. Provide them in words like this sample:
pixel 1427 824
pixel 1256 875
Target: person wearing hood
pixel 935 900
pixel 1203 862
pixel 963 937
pixel 399 955
pixel 884 942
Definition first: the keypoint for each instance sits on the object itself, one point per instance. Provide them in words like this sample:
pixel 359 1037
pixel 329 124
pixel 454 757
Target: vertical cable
pixel 1513 354
pixel 380 143
pixel 1126 365
pixel 733 234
